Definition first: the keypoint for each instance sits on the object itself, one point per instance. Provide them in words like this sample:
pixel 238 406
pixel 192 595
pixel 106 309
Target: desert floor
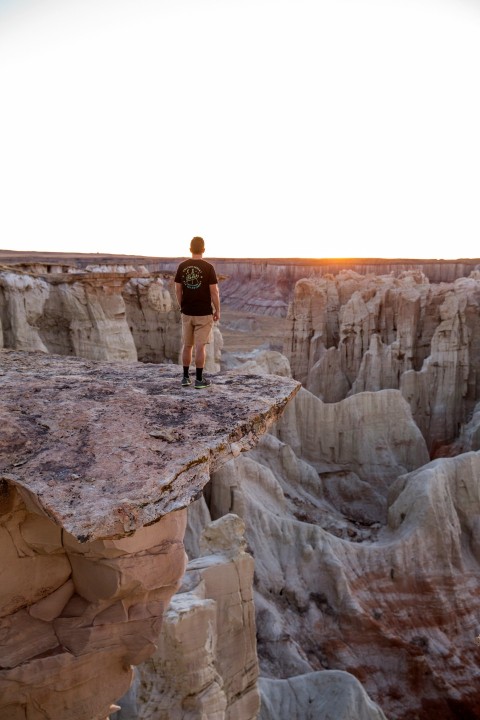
pixel 244 332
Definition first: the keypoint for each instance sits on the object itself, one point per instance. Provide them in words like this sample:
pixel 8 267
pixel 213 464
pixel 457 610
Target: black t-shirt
pixel 196 276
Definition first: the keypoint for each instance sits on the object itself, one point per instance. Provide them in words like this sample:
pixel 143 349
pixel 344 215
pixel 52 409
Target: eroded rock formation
pixel 98 464
pixel 350 334
pixel 152 318
pixel 66 313
pixel 369 438
pixel 317 696
pixel 206 663
pixel 469 437
pixel 265 286
pixel 259 362
pixel 379 579
pixel 366 556
pixel 102 313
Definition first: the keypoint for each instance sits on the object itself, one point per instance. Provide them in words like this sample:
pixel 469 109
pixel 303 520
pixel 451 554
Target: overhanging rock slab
pixel 103 449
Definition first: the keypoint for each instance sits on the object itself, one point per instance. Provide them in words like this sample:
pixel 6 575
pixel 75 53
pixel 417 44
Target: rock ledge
pixel 103 449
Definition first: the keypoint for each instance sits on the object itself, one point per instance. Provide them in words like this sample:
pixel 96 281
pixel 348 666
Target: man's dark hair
pixel 197 246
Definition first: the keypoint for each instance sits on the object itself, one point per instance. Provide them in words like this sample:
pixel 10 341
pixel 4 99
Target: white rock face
pixel 22 301
pixel 206 663
pixel 153 319
pixel 259 362
pixel 437 392
pixel 104 314
pixel 214 352
pixel 84 317
pixel 327 695
pixel 351 333
pixel 469 437
pixel 380 602
pixel 370 434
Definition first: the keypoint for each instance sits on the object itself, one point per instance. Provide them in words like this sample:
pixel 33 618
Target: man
pixel 196 287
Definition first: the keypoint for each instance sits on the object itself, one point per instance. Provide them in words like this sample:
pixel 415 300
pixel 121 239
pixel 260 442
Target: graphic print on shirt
pixel 192 277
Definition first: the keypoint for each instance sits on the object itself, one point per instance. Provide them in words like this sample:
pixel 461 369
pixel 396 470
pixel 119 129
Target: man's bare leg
pixel 187 355
pixel 200 354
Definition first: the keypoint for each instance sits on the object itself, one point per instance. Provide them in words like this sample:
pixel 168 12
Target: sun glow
pixel 286 129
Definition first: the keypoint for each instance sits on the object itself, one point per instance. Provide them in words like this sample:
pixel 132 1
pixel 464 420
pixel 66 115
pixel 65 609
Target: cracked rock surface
pixel 103 448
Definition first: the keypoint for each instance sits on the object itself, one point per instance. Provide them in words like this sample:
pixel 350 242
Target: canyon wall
pixel 366 557
pixel 68 314
pixel 98 463
pixel 293 269
pixel 349 334
pixel 103 313
pixel 366 560
pixel 206 663
pixel 366 554
pixel 265 287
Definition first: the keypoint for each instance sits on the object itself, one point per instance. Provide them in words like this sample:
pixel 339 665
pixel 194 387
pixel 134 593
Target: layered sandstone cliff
pixel 366 556
pixel 206 664
pixel 102 313
pixel 263 286
pixel 68 313
pixel 349 334
pixel 98 464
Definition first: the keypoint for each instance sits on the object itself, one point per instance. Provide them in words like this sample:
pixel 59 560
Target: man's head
pixel 197 246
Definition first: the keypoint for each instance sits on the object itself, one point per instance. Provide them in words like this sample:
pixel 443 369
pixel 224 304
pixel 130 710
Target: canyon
pixel 101 313
pixel 349 334
pixel 333 568
pixel 99 462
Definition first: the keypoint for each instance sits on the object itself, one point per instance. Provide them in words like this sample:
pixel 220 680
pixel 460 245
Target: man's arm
pixel 215 298
pixel 178 293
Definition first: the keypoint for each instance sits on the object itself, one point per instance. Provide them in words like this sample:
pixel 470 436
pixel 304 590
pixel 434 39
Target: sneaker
pixel 186 382
pixel 199 384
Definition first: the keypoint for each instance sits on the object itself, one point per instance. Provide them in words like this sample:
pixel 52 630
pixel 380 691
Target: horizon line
pixel 321 260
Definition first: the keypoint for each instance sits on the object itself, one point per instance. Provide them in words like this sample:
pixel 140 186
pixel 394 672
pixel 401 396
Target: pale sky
pixel 273 128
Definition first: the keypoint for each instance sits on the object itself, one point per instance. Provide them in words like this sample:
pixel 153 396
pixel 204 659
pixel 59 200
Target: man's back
pixel 196 276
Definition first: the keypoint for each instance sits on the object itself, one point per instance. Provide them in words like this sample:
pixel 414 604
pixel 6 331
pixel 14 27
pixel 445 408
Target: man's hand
pixel 215 297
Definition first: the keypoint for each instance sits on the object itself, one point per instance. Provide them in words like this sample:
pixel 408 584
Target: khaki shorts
pixel 197 329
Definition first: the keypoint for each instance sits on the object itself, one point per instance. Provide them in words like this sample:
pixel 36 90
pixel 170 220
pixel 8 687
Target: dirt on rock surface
pixel 105 448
